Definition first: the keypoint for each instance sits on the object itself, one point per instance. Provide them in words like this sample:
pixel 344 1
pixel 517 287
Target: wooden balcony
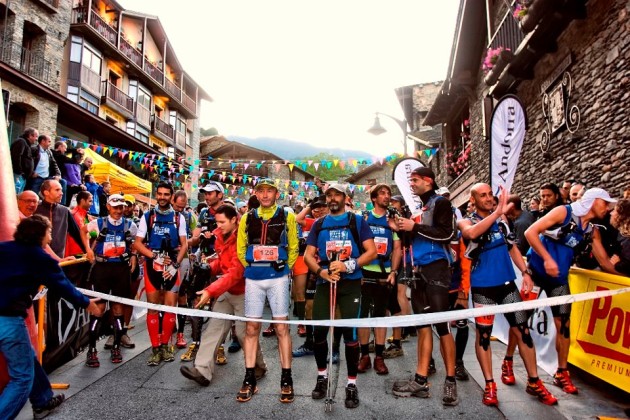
pixel 117 99
pixel 143 115
pixel 90 80
pixel 189 103
pixel 153 71
pixel 508 35
pixel 180 140
pixel 130 52
pixel 26 61
pixel 103 28
pixel 173 89
pixel 163 130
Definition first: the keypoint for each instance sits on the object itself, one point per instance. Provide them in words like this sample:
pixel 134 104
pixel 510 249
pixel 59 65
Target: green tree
pixel 328 174
pixel 209 132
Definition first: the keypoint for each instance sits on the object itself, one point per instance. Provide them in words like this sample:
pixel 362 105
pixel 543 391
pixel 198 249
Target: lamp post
pixel 378 129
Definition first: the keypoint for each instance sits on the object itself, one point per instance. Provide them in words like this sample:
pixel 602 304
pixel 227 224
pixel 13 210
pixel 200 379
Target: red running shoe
pixel 490 394
pixel 270 331
pixel 563 380
pixel 181 341
pixel 507 373
pixel 538 389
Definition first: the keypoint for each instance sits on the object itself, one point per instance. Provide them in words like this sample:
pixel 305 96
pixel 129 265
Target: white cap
pixel 116 200
pixel 583 205
pixel 442 191
pixel 213 186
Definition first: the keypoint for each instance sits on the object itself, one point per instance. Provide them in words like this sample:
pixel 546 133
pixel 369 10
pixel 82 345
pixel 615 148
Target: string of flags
pixel 179 170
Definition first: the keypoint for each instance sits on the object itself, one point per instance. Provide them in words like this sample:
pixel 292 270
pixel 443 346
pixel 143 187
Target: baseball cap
pixel 266 181
pixel 341 187
pixel 241 204
pixel 425 172
pixel 130 199
pixel 398 198
pixel 318 202
pixel 583 205
pixel 442 191
pixel 230 202
pixel 213 186
pixel 116 200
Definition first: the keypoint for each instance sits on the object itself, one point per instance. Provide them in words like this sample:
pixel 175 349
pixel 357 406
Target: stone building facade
pixel 584 44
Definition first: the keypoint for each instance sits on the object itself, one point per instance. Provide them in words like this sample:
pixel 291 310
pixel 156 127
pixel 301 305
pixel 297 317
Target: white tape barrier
pixel 392 321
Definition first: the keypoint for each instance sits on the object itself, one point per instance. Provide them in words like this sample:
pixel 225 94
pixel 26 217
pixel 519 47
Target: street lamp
pixel 377 128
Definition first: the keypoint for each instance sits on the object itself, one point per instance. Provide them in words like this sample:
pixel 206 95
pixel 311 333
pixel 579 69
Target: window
pixel 144 97
pixel 73 93
pixel 88 101
pixel 178 123
pixel 138 132
pixel 189 138
pixel 91 59
pixel 75 49
pixel 115 79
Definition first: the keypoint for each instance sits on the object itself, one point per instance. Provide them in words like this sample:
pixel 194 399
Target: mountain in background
pixel 290 149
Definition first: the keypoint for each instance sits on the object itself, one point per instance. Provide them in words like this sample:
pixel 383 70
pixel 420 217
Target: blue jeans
pixel 17 350
pixel 20 183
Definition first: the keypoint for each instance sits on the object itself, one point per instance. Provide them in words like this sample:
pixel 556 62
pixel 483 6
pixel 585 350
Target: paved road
pixel 133 390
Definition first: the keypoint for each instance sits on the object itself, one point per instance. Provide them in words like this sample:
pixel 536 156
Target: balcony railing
pixel 29 62
pixel 162 127
pixel 189 103
pixel 103 28
pixel 173 89
pixel 153 71
pixel 90 80
pixel 131 53
pixel 508 34
pixel 143 115
pixel 119 97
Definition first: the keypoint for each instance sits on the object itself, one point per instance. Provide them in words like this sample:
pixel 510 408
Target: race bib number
pixel 381 245
pixel 484 321
pixel 113 249
pixel 265 253
pixel 341 250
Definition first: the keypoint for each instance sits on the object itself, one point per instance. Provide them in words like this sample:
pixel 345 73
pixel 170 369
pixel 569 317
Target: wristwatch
pixel 319 270
pixel 395 272
pixel 527 271
pixel 175 264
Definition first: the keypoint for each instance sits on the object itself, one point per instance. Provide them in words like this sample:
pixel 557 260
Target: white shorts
pixel 276 290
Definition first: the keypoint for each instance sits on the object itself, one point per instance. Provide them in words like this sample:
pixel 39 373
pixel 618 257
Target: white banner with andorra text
pixel 508 126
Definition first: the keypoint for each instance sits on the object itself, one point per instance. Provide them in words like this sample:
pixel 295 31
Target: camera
pixel 392 212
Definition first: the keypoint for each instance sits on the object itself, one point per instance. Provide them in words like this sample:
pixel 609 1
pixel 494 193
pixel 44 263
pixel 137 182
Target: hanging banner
pixel 507 132
pixel 400 175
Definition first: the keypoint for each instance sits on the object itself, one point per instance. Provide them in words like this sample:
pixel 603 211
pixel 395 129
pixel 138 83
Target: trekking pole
pixel 330 395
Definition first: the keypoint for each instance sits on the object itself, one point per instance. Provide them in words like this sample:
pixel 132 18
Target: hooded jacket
pixel 232 272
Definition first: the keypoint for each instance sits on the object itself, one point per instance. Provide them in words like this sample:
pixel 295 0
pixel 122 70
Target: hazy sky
pixel 307 71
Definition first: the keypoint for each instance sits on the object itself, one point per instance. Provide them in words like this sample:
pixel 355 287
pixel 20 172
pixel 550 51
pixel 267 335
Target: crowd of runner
pixel 324 260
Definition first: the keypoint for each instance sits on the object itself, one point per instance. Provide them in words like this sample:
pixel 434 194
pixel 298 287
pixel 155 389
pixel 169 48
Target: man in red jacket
pixel 229 292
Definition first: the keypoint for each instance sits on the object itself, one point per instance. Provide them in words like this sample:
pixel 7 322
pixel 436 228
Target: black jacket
pixel 22 158
pixel 53 168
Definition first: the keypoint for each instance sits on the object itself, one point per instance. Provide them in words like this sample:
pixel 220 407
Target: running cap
pixel 266 181
pixel 376 188
pixel 130 199
pixel 213 186
pixel 584 204
pixel 230 202
pixel 341 187
pixel 443 191
pixel 398 198
pixel 241 204
pixel 116 200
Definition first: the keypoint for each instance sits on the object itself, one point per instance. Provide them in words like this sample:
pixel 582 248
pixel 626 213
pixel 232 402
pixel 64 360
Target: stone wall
pixel 40 113
pixel 600 73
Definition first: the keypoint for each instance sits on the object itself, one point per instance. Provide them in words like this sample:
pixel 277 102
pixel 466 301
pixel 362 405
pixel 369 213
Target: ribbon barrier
pixel 394 321
pixel 600 328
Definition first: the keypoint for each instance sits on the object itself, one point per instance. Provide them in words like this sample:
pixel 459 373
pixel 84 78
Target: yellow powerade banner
pixel 600 328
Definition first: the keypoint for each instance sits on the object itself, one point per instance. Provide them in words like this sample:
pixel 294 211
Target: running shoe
pixel 365 363
pixel 181 341
pixel 461 374
pixel 352 396
pixel 109 343
pixel 490 394
pixel 116 355
pixel 156 357
pixel 563 380
pixel 220 359
pixel 303 350
pixel 92 359
pixel 234 346
pixel 168 353
pixel 507 372
pixel 191 353
pixel 49 407
pixel 450 393
pixel 126 342
pixel 301 330
pixel 393 351
pixel 538 390
pixel 321 387
pixel 246 392
pixel 411 388
pixel 403 339
pixel 379 366
pixel 270 331
pixel 286 391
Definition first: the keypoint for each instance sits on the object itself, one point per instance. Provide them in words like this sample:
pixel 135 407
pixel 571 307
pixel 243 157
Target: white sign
pixel 508 126
pixel 402 170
